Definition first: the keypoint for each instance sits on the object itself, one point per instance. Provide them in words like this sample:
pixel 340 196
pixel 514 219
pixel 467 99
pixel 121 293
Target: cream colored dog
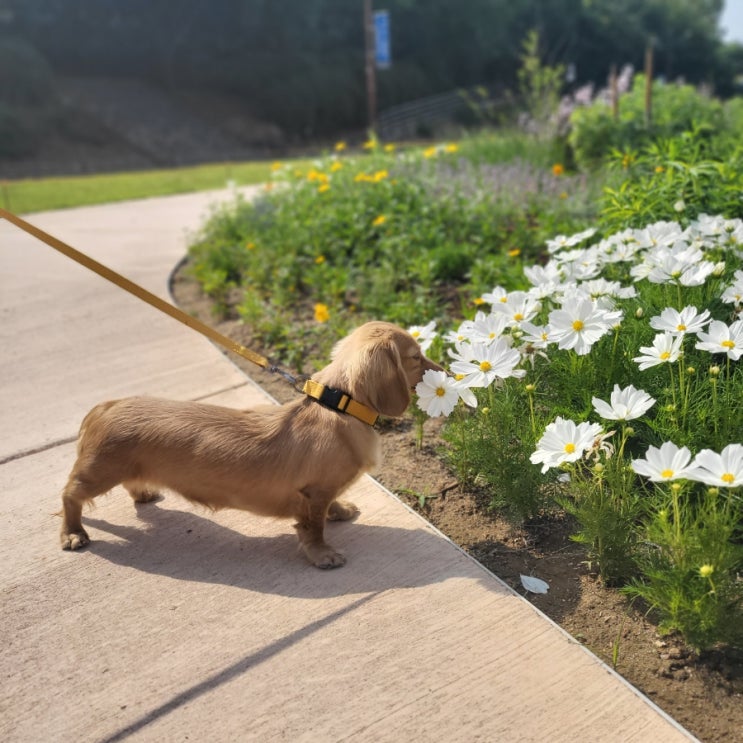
pixel 289 461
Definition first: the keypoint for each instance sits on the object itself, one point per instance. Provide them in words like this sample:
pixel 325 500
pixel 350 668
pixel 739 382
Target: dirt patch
pixel 704 694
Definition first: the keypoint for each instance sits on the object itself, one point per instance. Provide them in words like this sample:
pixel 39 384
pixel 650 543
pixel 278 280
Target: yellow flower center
pixel 440 391
pixel 578 325
pixel 503 299
pixel 666 474
pixel 728 477
pixel 518 316
pixel 415 333
pixel 665 355
pixel 681 327
pixel 485 366
pixel 569 447
pixel 728 344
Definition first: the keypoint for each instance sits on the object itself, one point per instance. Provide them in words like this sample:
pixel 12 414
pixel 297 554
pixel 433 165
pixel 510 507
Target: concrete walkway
pixel 177 624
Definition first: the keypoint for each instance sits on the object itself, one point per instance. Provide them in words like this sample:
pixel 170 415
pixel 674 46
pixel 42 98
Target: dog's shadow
pixel 184 545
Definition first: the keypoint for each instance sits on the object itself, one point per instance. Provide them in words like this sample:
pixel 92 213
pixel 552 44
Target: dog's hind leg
pixel 312 512
pixel 79 490
pixel 342 510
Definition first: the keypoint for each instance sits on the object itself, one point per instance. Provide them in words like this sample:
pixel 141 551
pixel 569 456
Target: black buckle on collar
pixel 334 399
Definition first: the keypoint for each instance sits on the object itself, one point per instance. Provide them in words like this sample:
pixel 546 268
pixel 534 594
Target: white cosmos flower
pixel 424 334
pixel 437 392
pixel 564 441
pixel 578 326
pixel 723 470
pixel 659 233
pixel 679 323
pixel 565 241
pixel 486 328
pixel 734 293
pixel 535 335
pixel 625 404
pixel 723 339
pixel 665 464
pixel 499 294
pixel 497 359
pixel 666 348
pixel 519 306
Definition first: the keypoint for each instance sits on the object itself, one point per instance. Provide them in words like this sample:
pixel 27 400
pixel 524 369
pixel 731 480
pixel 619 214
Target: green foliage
pixel 300 64
pixel 491 448
pixel 676 178
pixel 689 562
pixel 675 109
pixel 386 236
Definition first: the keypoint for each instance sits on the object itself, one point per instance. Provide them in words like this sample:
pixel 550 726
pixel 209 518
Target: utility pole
pixel 649 84
pixel 371 78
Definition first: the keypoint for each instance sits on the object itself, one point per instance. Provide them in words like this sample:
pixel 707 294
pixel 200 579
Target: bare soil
pixel 703 693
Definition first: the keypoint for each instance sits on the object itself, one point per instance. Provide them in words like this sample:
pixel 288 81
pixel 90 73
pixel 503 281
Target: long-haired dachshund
pixel 288 461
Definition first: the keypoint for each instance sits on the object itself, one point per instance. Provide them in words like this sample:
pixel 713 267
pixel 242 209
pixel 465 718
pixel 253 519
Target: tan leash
pixel 327 396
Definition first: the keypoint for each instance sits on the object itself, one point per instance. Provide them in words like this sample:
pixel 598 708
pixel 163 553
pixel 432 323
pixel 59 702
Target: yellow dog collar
pixel 340 401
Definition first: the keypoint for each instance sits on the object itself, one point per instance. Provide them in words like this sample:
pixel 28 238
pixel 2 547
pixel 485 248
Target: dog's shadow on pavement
pixel 184 545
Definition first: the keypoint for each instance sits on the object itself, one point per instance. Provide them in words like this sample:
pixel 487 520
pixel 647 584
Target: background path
pixel 177 624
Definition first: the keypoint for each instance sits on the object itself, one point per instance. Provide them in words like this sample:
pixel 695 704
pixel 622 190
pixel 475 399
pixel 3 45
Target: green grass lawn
pixel 34 195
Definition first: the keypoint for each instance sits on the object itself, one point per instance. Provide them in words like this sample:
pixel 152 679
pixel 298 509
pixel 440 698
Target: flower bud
pixel 714 370
pixel 706 571
pixel 639 312
pixel 530 387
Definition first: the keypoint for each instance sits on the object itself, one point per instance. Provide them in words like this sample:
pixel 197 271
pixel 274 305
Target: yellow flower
pixel 451 148
pixel 340 146
pixel 323 187
pixel 389 148
pixel 478 301
pixel 316 175
pixel 515 253
pixel 659 168
pixel 558 169
pixel 380 175
pixel 276 166
pixel 320 259
pixel 321 312
pixel 380 220
pixel 370 144
pixel 362 178
pixel 706 570
pixel 336 166
pixel 250 246
pixel 430 151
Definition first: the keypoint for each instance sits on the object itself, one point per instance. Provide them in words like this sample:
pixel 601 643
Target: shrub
pixel 676 108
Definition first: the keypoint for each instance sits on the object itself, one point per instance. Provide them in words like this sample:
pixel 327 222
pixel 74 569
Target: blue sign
pixel 382 55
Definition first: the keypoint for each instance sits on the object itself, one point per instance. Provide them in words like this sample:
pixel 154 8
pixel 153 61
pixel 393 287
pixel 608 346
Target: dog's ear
pixel 386 383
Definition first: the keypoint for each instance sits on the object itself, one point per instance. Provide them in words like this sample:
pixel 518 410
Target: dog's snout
pixel 432 365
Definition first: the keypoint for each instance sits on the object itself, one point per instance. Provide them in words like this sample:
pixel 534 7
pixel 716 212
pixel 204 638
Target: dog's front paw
pixel 74 540
pixel 325 557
